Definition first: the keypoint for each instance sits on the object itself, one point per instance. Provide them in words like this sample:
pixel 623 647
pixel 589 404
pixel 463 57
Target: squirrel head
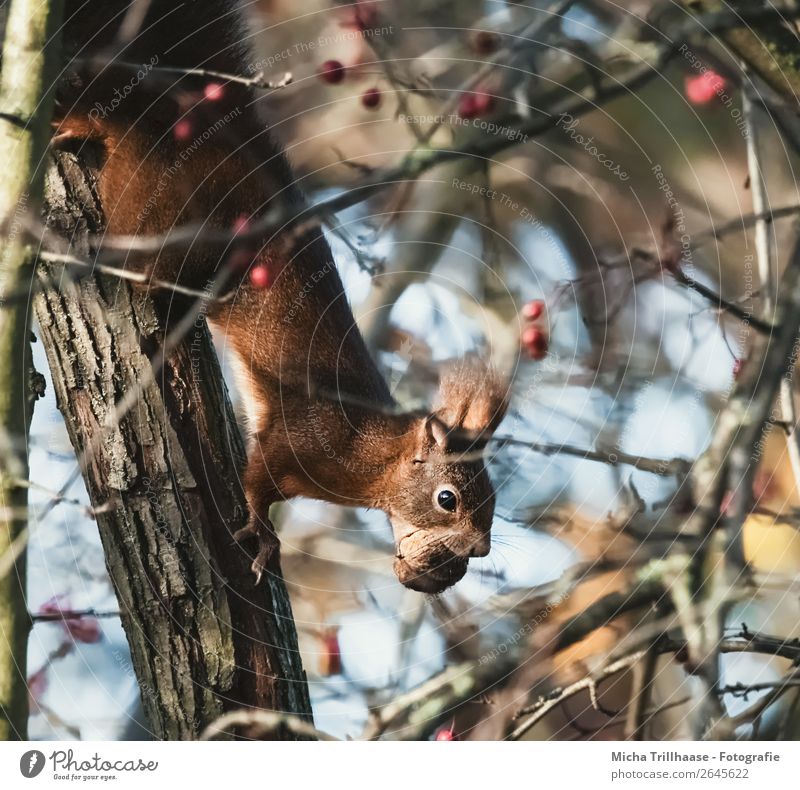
pixel 443 501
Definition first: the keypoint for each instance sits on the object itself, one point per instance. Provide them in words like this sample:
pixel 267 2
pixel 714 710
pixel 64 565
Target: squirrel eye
pixel 447 500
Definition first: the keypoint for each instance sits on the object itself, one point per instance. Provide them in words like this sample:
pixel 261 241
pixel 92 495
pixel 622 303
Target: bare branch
pixel 258 80
pixel 664 467
pixel 544 705
pixel 256 724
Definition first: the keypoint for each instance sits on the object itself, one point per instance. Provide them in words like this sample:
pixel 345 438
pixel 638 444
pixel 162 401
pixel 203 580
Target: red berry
pixel 214 91
pixel 371 98
pixel 332 72
pixel 331 660
pixel 485 42
pixel 260 277
pixel 52 605
pixel 532 336
pixel 737 368
pixel 81 628
pixel 445 734
pixel 703 88
pixel 182 130
pixel 533 310
pixel 84 629
pixel 534 341
pixel 466 106
pixel 473 105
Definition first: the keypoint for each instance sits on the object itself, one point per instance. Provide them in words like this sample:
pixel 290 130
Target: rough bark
pixel 165 477
pixel 30 60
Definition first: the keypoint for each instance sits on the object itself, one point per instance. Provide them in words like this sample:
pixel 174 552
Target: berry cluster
pixel 534 339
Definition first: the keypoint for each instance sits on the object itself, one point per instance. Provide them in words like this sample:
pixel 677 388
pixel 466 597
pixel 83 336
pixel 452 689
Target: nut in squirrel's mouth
pixel 430 570
pixel 431 580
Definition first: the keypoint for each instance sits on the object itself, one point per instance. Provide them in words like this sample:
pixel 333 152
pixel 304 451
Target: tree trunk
pixel 30 61
pixel 165 479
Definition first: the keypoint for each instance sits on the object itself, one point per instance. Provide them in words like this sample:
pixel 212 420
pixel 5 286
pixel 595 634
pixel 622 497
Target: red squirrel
pixel 323 423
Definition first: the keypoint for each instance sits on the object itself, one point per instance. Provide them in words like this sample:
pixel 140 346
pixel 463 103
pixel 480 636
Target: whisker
pixel 500 542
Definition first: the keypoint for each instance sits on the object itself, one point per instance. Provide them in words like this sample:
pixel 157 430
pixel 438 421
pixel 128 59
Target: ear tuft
pixel 436 431
pixel 473 397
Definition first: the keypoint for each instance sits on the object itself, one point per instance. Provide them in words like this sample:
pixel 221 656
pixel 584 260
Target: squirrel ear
pixel 473 396
pixel 436 431
pixel 432 435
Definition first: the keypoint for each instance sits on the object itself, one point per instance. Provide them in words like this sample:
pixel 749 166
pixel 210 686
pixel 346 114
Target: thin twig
pixel 754 713
pixel 125 274
pixel 764 235
pixel 258 80
pixel 744 690
pixel 744 642
pixel 644 671
pixel 663 467
pixel 57 498
pixel 544 705
pixel 740 224
pixel 75 614
pixel 720 303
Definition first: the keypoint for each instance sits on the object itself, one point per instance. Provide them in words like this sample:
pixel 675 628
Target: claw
pixel 260 563
pixel 267 545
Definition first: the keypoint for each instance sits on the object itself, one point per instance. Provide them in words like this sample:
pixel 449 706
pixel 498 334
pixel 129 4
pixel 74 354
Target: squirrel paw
pixel 268 544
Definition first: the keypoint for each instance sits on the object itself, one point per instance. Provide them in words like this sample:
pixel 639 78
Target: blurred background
pixel 545 258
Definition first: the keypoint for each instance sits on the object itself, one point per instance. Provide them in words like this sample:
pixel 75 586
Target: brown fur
pixel 325 425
